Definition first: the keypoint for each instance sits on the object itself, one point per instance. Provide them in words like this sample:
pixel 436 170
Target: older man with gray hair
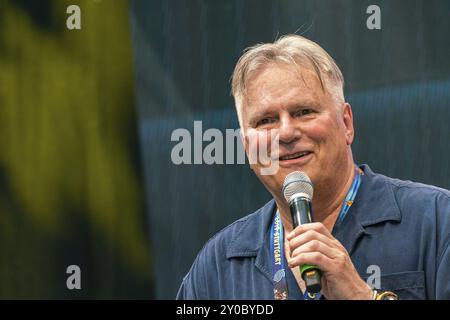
pixel 362 220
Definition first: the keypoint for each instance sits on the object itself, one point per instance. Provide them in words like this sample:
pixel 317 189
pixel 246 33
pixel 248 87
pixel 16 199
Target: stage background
pixel 86 117
pixel 70 172
pixel 397 80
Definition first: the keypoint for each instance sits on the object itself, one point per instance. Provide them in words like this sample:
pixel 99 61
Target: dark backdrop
pixel 397 80
pixel 70 176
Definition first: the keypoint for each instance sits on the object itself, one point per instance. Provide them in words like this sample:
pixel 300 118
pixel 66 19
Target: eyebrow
pixel 261 114
pixel 264 112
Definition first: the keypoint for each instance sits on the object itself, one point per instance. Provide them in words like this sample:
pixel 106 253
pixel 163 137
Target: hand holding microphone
pixel 298 192
pixel 324 263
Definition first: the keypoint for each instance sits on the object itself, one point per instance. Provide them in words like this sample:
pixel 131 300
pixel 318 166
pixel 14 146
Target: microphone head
pixel 297 182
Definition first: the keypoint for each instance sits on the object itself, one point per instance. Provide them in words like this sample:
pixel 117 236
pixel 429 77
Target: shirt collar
pixel 252 239
pixel 251 236
pixel 375 203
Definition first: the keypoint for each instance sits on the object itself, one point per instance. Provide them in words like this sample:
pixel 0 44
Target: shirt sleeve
pixel 199 283
pixel 443 262
pixel 443 275
pixel 186 290
pixel 193 285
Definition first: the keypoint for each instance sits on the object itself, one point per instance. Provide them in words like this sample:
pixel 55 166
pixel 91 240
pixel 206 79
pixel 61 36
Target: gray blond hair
pixel 290 49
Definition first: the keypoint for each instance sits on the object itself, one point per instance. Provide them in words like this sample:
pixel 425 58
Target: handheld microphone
pixel 298 191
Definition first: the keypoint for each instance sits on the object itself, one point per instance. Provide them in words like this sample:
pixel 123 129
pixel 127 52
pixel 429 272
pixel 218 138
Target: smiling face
pixel 315 130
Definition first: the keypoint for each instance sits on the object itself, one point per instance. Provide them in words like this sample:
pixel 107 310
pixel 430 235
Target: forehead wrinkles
pixel 282 81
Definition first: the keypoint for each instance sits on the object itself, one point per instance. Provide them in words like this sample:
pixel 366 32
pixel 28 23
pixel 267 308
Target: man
pixel 363 221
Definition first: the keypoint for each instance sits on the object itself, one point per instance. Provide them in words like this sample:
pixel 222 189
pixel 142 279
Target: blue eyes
pixel 266 121
pixel 300 113
pixel 303 112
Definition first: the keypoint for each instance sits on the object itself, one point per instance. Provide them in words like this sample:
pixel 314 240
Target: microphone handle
pixel 300 208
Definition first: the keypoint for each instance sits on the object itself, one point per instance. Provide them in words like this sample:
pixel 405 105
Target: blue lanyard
pixel 351 195
pixel 277 254
pixel 280 290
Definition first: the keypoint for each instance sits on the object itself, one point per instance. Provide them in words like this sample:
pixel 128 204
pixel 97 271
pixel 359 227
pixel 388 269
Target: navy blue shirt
pixel 400 226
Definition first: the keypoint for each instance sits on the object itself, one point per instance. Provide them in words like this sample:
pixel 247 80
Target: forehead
pixel 282 84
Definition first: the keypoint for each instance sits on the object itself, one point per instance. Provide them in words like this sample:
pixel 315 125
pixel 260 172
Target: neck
pixel 327 202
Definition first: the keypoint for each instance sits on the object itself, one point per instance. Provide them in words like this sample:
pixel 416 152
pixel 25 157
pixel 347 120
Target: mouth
pixel 296 155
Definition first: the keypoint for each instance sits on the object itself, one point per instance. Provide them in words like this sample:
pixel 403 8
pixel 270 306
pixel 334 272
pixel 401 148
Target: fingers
pixel 310 235
pixel 312 231
pixel 316 226
pixel 313 244
pixel 314 258
pixel 316 246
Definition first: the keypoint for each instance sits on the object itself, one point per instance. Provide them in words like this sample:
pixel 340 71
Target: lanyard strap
pixel 280 290
pixel 277 253
pixel 351 195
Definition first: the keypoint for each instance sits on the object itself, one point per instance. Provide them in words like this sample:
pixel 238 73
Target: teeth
pixel 295 155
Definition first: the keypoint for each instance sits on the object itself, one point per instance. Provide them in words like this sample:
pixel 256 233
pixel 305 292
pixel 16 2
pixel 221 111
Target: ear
pixel 348 122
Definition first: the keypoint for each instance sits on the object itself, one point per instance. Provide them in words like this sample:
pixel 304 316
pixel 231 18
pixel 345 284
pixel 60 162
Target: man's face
pixel 314 130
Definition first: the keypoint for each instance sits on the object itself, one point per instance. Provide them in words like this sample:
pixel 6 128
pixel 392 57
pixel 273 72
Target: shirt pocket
pixel 407 285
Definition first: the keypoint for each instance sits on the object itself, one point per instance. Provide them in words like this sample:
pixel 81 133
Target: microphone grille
pixel 297 182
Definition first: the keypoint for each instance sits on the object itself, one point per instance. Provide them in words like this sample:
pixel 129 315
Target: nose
pixel 288 132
